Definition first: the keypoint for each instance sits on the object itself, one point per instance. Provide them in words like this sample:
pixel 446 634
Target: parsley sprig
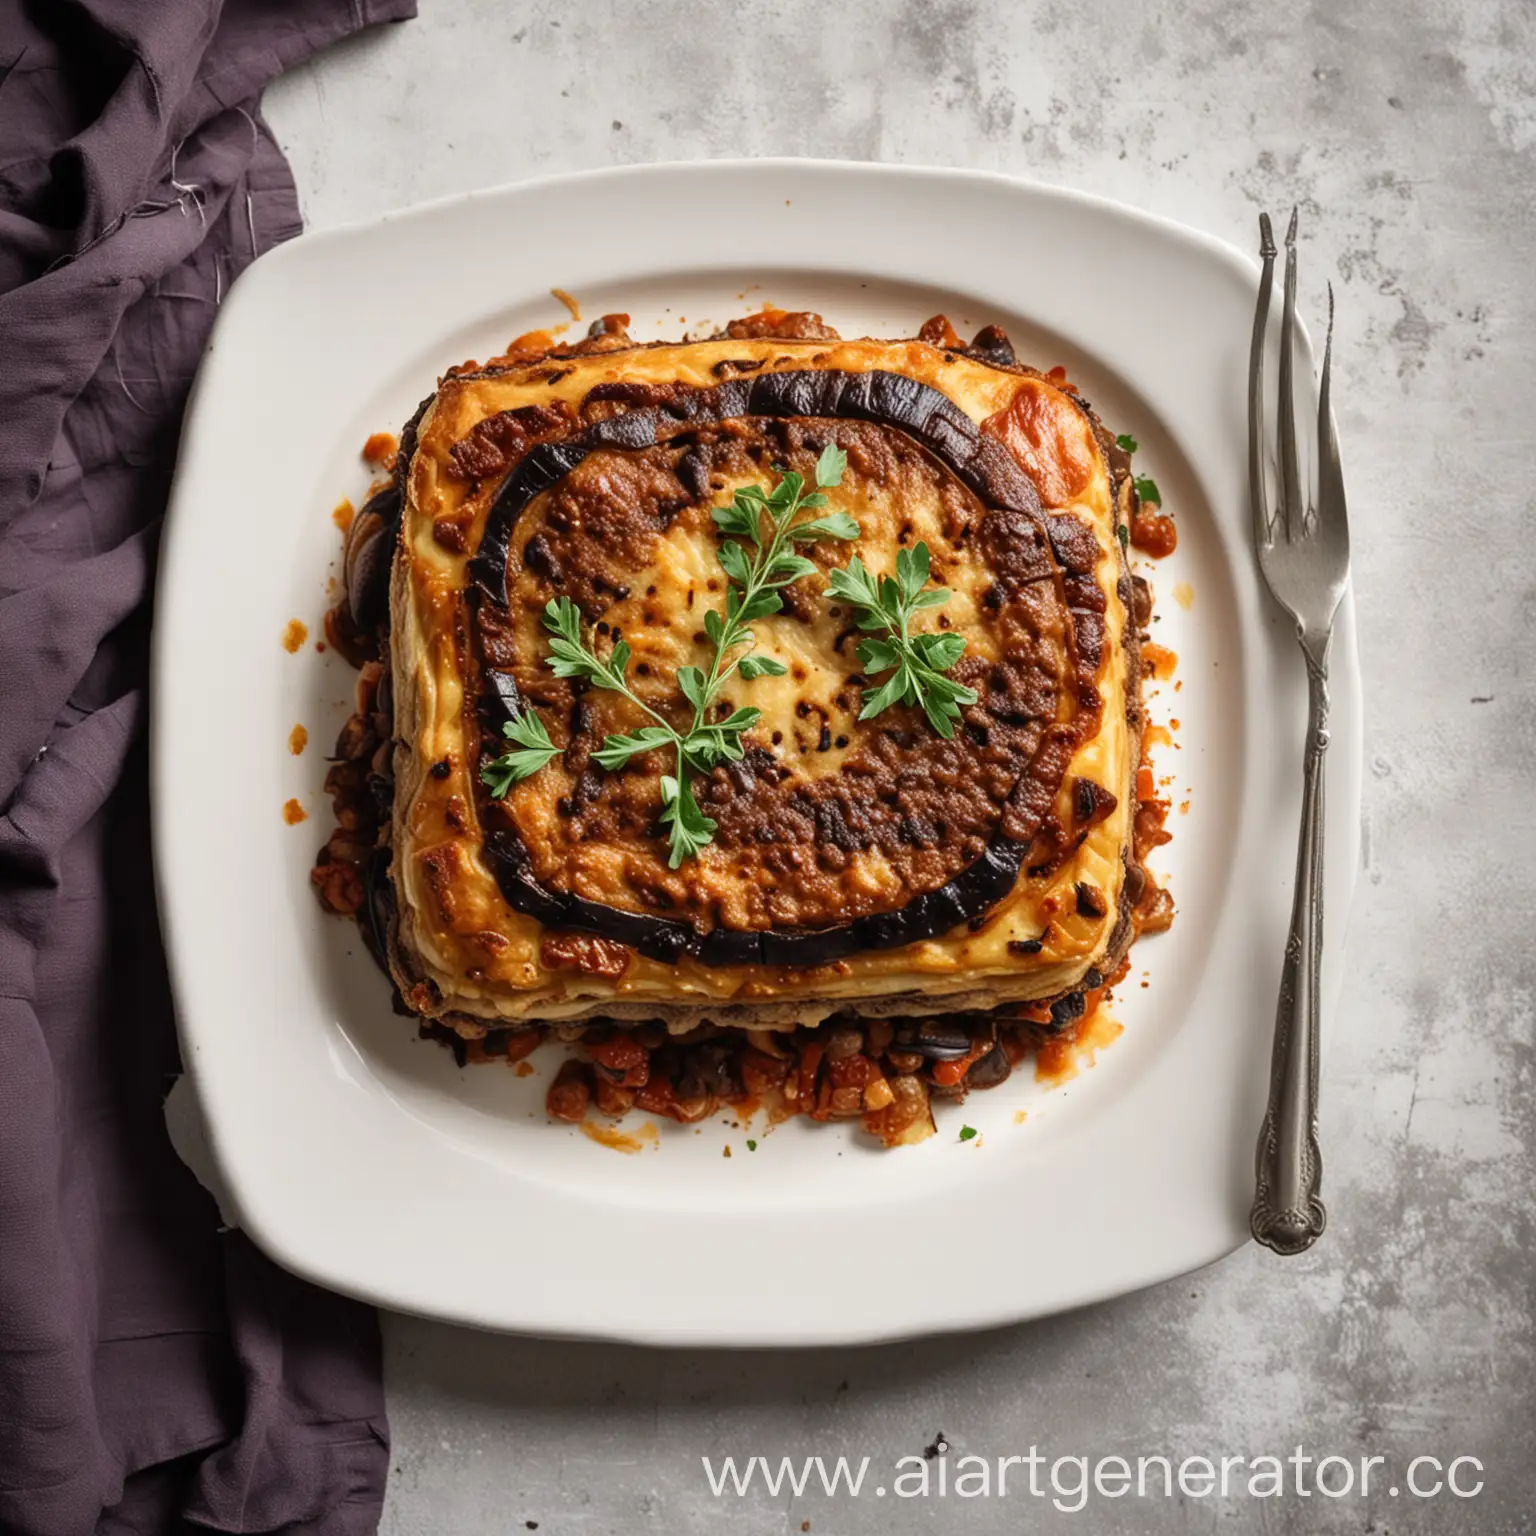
pixel 760 561
pixel 528 732
pixel 885 606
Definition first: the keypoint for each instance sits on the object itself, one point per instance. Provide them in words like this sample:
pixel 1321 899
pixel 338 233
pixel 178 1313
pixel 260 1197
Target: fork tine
pixel 1292 507
pixel 1330 472
pixel 1258 490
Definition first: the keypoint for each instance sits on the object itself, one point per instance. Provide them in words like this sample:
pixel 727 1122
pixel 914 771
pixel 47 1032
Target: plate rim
pixel 1346 767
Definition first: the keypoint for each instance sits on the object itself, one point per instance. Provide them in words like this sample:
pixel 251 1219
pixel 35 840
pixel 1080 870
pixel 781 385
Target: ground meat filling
pixel 827 818
pixel 492 446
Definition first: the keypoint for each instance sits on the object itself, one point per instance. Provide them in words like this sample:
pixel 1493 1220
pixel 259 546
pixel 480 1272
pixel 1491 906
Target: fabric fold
pixel 157 1374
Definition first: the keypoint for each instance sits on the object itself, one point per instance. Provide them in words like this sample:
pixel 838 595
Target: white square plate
pixel 361 1157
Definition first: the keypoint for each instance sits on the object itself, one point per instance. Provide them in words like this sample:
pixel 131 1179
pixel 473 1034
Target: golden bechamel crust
pixel 462 953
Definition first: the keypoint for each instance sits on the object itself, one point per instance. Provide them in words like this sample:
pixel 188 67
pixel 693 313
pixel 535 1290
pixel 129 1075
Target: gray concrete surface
pixel 1407 131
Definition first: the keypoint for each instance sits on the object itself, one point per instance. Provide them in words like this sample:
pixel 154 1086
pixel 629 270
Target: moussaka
pixel 761 712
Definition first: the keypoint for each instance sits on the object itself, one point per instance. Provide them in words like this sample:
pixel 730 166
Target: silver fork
pixel 1303 550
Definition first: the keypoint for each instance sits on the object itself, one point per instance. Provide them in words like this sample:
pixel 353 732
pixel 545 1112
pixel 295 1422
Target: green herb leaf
pixel 893 691
pixel 751 1145
pixel 563 617
pixel 1124 535
pixel 741 519
pixel 1126 443
pixel 733 561
pixel 830 466
pixel 787 492
pixel 855 585
pixel 617 750
pixel 536 749
pixel 939 651
pixel 721 741
pixel 691 681
pixel 967 1133
pixel 884 607
pixel 787 568
pixel 836 525
pixel 948 689
pixel 570 657
pixel 877 655
pixel 758 605
pixel 690 828
pixel 912 571
pixel 1146 489
pixel 942 714
pixel 760 666
pixel 742 719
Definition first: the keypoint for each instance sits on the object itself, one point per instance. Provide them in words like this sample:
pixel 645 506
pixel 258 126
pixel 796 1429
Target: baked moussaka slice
pixel 762 712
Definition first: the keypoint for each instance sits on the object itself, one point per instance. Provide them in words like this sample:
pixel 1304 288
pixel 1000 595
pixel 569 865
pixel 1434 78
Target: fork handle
pixel 1288 1214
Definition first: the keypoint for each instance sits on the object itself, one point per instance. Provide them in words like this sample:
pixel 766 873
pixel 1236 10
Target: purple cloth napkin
pixel 155 1375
